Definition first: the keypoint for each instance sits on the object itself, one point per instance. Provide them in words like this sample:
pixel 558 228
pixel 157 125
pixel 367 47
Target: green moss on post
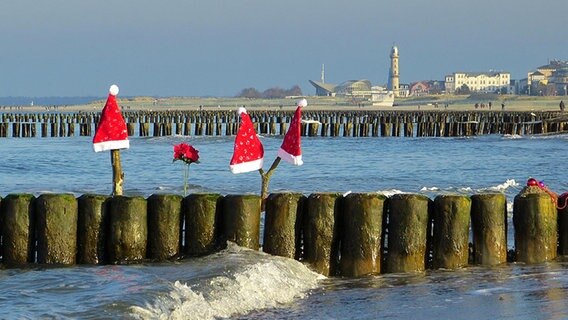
pixel 361 220
pixel 164 226
pixel 17 216
pixel 282 224
pixel 202 214
pixel 92 228
pixel 128 235
pixel 241 220
pixel 407 241
pixel 451 231
pixel 535 221
pixel 489 226
pixel 56 218
pixel 321 241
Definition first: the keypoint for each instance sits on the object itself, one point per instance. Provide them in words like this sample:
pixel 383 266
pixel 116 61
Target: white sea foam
pixel 512 136
pixel 389 192
pixel 506 185
pixel 429 189
pixel 269 283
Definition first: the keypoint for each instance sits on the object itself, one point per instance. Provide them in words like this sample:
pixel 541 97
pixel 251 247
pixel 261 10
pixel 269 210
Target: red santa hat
pixel 291 150
pixel 248 154
pixel 111 133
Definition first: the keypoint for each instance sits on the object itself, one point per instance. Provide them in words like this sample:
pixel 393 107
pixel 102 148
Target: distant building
pixel 478 82
pixel 426 87
pixel 548 79
pixel 362 90
pixel 394 81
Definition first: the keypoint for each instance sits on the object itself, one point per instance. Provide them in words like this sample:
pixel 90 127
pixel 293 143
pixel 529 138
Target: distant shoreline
pixel 430 103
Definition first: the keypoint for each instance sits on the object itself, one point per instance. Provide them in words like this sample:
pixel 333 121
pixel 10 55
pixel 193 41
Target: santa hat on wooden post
pixel 291 150
pixel 111 133
pixel 248 154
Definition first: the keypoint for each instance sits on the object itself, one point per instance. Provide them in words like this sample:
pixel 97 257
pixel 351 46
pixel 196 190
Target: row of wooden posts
pixel 322 123
pixel 335 234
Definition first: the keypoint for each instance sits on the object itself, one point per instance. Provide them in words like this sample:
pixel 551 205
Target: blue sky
pixel 217 48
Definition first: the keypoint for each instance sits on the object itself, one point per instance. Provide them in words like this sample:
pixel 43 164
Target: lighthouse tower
pixel 394 84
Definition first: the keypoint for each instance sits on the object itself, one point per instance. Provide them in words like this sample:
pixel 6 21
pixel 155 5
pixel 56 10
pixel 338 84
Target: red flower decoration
pixel 186 153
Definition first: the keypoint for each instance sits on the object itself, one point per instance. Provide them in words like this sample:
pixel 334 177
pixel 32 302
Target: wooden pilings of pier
pixel 336 235
pixel 324 123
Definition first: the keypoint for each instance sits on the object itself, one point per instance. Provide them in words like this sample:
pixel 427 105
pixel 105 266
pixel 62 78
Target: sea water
pixel 246 284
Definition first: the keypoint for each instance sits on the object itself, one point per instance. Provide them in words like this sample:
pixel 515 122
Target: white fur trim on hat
pixel 295 160
pixel 246 166
pixel 302 103
pixel 113 90
pixel 111 145
pixel 241 110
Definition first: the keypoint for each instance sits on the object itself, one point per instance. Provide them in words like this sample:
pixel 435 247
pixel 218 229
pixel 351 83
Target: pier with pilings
pixel 336 235
pixel 330 123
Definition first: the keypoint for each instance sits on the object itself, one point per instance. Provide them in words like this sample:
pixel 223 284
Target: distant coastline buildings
pixel 486 82
pixel 549 79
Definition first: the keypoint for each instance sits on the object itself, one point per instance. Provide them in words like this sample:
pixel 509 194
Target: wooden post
pixel 92 229
pixel 282 224
pixel 535 221
pixel 489 226
pixel 408 233
pixel 18 239
pixel 361 233
pixel 128 233
pixel 56 218
pixel 202 213
pixel 241 220
pixel 321 242
pixel 451 231
pixel 117 175
pixel 164 226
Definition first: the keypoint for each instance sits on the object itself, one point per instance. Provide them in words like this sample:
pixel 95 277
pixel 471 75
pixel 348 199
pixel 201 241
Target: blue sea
pixel 239 283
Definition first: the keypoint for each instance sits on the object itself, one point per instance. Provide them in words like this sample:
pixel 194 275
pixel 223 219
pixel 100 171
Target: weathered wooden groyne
pixel 358 123
pixel 337 235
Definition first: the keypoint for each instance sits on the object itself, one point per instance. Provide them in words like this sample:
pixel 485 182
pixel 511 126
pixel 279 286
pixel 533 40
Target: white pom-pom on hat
pixel 241 110
pixel 302 103
pixel 113 90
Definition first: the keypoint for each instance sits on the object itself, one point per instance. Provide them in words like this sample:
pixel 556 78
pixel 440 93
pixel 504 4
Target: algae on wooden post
pixel 164 226
pixel 18 240
pixel 282 224
pixel 321 241
pixel 451 231
pixel 128 234
pixel 56 217
pixel 92 229
pixel 241 220
pixel 489 226
pixel 361 221
pixel 201 212
pixel 407 241
pixel 535 221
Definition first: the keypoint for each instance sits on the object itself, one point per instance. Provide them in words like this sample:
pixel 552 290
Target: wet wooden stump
pixel 56 227
pixel 450 243
pixel 535 222
pixel 361 234
pixel 408 230
pixel 92 229
pixel 18 239
pixel 164 226
pixel 321 242
pixel 241 220
pixel 282 224
pixel 202 214
pixel 128 233
pixel 489 227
